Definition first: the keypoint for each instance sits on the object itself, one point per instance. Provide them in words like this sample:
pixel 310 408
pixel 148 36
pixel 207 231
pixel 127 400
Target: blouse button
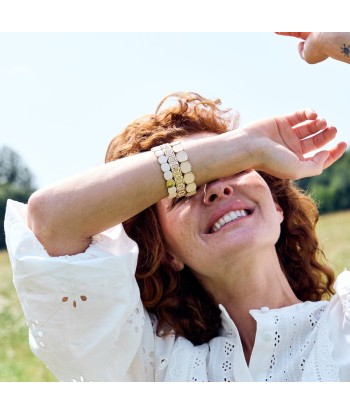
pixel 267 336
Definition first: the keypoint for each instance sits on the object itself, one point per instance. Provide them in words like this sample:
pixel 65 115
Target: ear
pixel 280 211
pixel 174 262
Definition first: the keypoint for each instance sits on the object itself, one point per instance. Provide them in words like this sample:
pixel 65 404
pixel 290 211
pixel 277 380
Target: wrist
pixel 253 145
pixel 243 148
pixel 216 156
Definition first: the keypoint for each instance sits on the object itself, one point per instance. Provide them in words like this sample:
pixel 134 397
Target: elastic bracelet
pixel 176 169
pixel 185 167
pixel 171 170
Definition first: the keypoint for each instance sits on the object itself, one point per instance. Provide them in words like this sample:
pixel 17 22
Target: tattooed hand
pixel 318 46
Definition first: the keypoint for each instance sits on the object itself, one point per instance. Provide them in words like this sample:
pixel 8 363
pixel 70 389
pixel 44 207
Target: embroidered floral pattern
pixel 73 293
pixel 74 302
pixel 37 332
pixel 136 320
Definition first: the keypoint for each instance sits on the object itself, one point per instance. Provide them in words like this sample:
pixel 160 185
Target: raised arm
pixel 318 46
pixel 67 214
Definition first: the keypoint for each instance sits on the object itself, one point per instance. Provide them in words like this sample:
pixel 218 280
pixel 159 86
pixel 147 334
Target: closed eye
pixel 242 172
pixel 177 201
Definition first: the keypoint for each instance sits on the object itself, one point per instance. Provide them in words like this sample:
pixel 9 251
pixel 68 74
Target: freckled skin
pixel 185 226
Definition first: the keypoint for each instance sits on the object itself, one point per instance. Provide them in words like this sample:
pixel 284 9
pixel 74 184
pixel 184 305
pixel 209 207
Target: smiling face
pixel 225 220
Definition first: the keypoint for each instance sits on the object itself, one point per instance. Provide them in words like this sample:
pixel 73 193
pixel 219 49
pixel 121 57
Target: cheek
pixel 253 182
pixel 172 238
pixel 179 234
pixel 173 228
pixel 258 187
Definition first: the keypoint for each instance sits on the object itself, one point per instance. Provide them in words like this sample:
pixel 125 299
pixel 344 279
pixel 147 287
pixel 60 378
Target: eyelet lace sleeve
pixel 339 325
pixel 85 318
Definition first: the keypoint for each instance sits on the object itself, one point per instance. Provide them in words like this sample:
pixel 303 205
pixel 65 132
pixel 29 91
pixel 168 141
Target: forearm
pixel 66 215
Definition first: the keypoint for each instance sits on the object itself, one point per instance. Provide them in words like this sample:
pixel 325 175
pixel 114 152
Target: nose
pixel 217 190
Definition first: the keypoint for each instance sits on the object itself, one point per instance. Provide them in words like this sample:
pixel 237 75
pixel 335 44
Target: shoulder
pixel 342 283
pixel 342 288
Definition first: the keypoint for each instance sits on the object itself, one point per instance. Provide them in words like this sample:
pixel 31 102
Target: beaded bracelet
pixel 176 169
pixel 186 168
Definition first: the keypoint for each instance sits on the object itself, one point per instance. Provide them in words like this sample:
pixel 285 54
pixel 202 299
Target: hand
pixel 311 49
pixel 318 46
pixel 280 143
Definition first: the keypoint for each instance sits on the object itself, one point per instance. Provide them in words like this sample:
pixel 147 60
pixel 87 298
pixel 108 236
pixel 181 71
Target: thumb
pixel 320 159
pixel 312 51
pixel 313 166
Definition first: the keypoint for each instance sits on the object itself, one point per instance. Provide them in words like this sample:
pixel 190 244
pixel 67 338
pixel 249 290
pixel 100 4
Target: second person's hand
pixel 318 46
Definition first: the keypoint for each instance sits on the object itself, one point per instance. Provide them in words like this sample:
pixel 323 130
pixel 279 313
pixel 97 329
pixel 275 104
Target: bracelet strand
pixel 177 170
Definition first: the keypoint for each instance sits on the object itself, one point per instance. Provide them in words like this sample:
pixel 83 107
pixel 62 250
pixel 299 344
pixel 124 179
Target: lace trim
pixel 321 367
pixel 198 365
pixel 178 368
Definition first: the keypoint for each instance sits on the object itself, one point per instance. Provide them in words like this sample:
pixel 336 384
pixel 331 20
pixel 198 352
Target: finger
pixel 335 153
pixel 300 35
pixel 315 165
pixel 309 127
pixel 319 140
pixel 301 50
pixel 300 116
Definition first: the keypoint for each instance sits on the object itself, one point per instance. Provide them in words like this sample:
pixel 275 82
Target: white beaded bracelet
pixel 176 169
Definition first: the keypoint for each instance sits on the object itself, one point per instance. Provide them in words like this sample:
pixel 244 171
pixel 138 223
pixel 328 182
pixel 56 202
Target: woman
pixel 231 285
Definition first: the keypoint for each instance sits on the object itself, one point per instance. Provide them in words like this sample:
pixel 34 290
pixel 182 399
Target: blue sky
pixel 64 96
pixel 70 81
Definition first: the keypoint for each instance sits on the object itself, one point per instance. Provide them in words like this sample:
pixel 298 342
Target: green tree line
pixel 331 189
pixel 16 182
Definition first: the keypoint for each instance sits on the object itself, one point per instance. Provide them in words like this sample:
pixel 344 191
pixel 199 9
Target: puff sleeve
pixel 339 325
pixel 85 317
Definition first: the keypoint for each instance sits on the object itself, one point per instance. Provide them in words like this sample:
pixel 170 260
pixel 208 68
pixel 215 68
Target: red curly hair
pixel 177 298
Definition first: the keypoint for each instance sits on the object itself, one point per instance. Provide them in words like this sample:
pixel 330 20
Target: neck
pixel 256 282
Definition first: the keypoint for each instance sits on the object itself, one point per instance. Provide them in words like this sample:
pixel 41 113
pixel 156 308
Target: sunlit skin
pixel 226 233
pixel 238 264
pixel 318 46
pixel 64 216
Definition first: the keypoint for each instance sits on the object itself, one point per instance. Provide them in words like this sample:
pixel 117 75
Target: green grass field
pixel 334 233
pixel 17 363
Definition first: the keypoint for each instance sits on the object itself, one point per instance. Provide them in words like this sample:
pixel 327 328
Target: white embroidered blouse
pixel 87 323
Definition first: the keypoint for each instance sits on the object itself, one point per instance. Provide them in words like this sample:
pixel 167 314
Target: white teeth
pixel 233 215
pixel 228 217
